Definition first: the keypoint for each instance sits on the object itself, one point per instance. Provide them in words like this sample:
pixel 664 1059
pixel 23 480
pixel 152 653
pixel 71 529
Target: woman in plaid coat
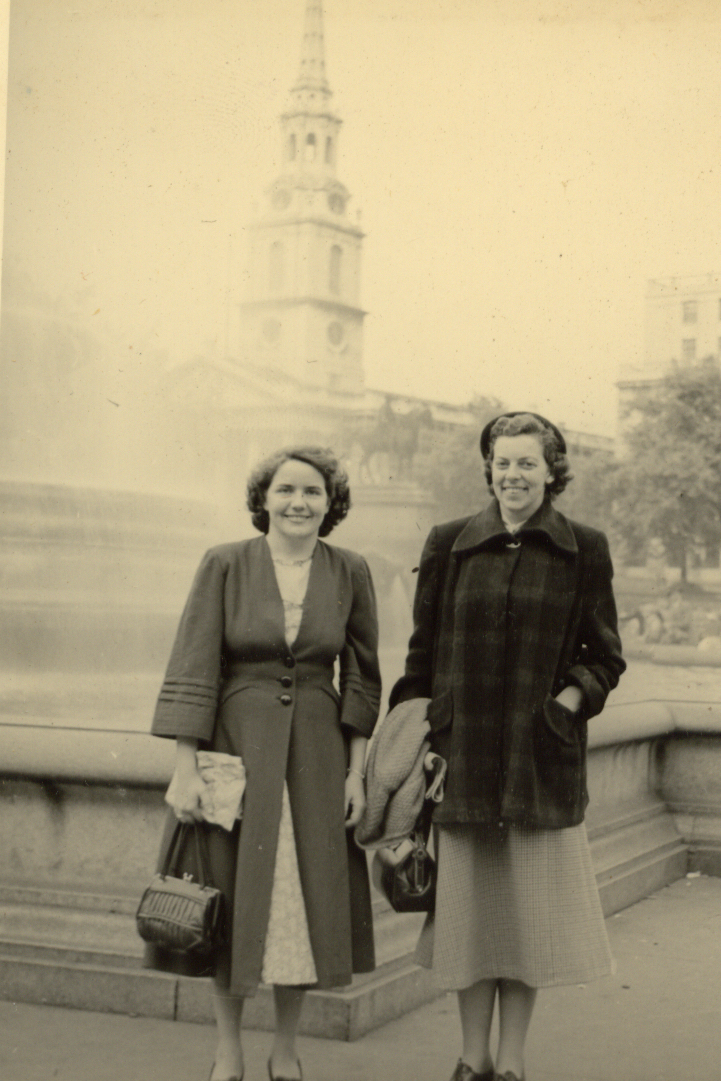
pixel 516 644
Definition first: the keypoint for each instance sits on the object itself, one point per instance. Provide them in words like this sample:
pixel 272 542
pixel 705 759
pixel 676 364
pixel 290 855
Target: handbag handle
pixel 175 847
pixel 422 827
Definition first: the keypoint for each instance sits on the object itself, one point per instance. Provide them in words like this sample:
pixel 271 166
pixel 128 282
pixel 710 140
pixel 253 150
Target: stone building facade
pixel 682 328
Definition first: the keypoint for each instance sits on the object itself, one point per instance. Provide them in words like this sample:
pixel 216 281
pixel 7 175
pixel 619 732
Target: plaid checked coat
pixel 502 624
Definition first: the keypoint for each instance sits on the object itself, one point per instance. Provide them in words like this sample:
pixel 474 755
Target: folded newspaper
pixel 222 798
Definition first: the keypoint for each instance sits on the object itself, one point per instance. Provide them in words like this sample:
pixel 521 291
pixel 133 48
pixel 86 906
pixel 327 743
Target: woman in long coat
pixel 251 674
pixel 516 644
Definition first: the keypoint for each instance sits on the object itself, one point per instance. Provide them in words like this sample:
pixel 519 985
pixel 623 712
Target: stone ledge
pixel 128 756
pixel 67 899
pixel 85 755
pixel 686 656
pixel 650 719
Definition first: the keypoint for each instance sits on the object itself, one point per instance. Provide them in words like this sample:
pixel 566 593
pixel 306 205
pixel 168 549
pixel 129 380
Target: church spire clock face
pixel 302 315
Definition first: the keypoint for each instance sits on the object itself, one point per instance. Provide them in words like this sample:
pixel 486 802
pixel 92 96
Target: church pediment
pixel 233 386
pixel 224 385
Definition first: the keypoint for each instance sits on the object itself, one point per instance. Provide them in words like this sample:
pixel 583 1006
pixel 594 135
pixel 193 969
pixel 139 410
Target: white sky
pixel 522 168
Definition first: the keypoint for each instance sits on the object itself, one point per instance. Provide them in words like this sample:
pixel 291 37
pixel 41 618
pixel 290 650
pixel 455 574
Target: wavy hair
pixel 527 424
pixel 320 458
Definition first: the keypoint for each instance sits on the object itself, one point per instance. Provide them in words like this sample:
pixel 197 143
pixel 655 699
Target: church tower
pixel 302 316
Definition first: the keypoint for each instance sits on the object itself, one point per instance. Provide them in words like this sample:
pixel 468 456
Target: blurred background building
pixel 682 329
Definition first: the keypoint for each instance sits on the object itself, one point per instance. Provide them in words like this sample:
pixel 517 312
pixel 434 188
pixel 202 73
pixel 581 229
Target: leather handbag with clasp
pixel 409 883
pixel 177 913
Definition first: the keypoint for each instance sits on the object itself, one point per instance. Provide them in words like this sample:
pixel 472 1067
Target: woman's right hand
pixel 186 787
pixel 184 796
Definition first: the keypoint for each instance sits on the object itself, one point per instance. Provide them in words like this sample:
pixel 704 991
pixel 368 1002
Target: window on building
pixel 336 255
pixel 275 267
pixel 328 150
pixel 291 148
pixel 310 147
pixel 688 350
pixel 690 311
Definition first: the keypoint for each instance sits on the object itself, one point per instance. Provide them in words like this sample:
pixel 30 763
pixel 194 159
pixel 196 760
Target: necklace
pixel 291 562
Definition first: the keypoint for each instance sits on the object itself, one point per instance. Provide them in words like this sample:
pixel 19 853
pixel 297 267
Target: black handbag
pixel 179 914
pixel 410 886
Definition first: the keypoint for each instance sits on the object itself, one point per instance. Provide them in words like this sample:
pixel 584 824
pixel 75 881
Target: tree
pixel 667 485
pixel 587 498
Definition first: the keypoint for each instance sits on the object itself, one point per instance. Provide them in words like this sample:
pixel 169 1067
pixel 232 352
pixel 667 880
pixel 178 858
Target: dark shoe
pixel 465 1073
pixel 272 1076
pixel 508 1076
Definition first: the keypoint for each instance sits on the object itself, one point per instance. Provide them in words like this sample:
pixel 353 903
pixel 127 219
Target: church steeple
pixel 303 308
pixel 309 126
pixel 311 76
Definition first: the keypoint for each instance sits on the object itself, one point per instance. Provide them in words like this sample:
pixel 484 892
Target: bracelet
pixel 357 771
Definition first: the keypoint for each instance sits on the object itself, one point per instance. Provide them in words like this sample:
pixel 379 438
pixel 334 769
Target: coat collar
pixel 488 526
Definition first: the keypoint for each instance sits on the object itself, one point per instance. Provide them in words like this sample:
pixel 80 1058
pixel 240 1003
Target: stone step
pixel 72 948
pixel 43 932
pixel 99 936
pixel 54 949
pixel 345 1014
pixel 636 850
pixel 645 874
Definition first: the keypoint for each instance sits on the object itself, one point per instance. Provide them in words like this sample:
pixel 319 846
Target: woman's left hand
pixel 355 799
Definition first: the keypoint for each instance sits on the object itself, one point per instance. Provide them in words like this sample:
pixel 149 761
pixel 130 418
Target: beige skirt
pixel 515 903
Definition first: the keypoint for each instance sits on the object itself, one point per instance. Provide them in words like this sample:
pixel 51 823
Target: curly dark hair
pixel 527 424
pixel 320 458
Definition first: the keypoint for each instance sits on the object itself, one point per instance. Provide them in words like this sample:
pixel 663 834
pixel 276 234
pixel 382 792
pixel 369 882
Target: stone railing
pixel 664 752
pixel 82 809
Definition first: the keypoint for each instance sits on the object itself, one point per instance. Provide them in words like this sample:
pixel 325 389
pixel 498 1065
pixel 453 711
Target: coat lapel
pixel 310 601
pixel 487 528
pixel 268 593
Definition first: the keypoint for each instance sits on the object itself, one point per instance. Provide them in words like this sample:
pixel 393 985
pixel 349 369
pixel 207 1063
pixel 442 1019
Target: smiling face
pixel 519 474
pixel 296 501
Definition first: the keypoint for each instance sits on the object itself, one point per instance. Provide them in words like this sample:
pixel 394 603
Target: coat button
pixel 286 681
pixel 285 699
pixel 290 662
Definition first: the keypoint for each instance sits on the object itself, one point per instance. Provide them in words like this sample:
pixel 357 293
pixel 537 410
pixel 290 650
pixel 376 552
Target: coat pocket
pixel 560 751
pixel 563 722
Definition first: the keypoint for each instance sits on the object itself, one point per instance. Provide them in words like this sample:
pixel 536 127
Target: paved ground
pixel 657 1019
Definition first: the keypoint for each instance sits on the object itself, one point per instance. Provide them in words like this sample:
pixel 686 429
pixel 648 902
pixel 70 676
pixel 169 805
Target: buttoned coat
pixel 502 623
pixel 235 685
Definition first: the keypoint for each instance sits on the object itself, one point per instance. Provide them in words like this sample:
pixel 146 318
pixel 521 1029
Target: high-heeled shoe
pixel 463 1072
pixel 275 1077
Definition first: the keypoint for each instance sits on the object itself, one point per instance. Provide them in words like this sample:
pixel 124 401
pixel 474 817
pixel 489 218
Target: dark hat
pixel 486 433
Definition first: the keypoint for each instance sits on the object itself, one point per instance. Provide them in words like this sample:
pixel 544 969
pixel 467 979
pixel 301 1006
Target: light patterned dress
pixel 288 957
